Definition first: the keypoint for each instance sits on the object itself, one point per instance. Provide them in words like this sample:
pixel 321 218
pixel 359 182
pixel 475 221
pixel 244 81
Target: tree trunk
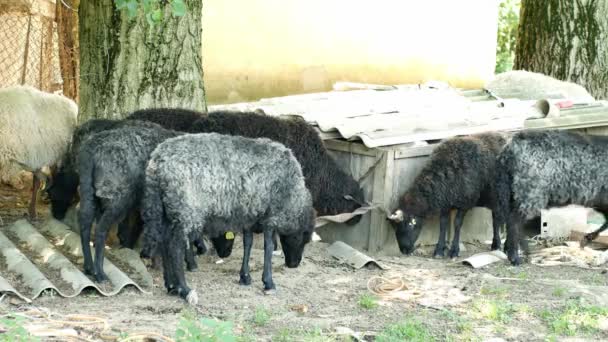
pixel 66 15
pixel 128 64
pixel 565 39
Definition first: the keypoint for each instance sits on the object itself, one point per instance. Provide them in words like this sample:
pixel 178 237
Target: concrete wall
pixel 265 48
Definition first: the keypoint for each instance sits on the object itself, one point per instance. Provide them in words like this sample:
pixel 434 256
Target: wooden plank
pixel 385 227
pixel 329 135
pixel 383 182
pixel 414 151
pixel 350 147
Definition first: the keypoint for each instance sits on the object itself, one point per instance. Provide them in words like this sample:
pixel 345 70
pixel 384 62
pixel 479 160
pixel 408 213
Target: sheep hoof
pixel 192 268
pixel 245 280
pixel 439 254
pixel 89 271
pixel 454 254
pixel 101 277
pixel 192 297
pixel 495 245
pixel 270 292
pixel 516 261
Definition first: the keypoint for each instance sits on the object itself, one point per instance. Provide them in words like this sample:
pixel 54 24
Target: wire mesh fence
pixel 29 51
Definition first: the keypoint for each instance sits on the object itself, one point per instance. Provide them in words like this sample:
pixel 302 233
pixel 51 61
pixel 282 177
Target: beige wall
pixel 263 48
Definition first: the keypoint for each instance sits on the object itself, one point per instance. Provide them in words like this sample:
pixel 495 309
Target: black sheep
pixel 459 175
pixel 177 119
pixel 62 189
pixel 111 166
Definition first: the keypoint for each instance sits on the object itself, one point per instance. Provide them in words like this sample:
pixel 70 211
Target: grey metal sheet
pixel 404 135
pixel 412 113
pixel 35 260
pixel 573 119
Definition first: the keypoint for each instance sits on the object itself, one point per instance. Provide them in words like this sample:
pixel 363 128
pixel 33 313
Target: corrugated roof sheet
pixel 409 113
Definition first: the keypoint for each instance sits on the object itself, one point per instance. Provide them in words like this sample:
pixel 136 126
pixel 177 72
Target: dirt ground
pixel 315 302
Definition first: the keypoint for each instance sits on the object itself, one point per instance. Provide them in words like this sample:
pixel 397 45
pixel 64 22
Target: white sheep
pixel 35 131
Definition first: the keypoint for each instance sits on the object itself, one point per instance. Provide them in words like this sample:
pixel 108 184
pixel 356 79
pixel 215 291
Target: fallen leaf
pixel 301 308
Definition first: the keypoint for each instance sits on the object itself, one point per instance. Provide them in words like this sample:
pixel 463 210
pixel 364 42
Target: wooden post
pixel 383 182
pixel 66 16
pixel 27 48
pixel 42 53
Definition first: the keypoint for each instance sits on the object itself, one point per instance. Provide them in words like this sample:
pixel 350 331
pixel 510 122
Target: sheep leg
pixel 512 241
pixel 109 216
pixel 201 248
pixel 168 274
pixel 129 231
pixel 86 215
pixel 245 277
pixel 175 261
pixel 455 250
pixel 34 199
pixel 444 222
pixel 191 265
pixel 267 273
pixel 496 229
pixel 275 242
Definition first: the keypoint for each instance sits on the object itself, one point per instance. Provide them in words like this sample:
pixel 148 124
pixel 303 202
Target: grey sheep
pixel 328 184
pixel 545 168
pixel 459 175
pixel 206 182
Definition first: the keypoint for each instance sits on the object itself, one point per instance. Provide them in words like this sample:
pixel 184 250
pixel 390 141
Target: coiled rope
pixel 392 287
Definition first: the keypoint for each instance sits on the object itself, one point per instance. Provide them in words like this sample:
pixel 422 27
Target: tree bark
pixel 565 39
pixel 66 15
pixel 129 64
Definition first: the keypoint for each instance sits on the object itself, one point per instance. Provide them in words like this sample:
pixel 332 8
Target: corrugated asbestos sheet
pixel 49 257
pixel 406 114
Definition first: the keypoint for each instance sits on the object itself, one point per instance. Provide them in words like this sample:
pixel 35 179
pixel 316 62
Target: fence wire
pixel 29 51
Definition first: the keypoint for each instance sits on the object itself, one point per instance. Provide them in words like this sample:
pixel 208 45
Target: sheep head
pixel 293 244
pixel 407 230
pixel 293 247
pixel 62 191
pixel 223 244
pixel 397 216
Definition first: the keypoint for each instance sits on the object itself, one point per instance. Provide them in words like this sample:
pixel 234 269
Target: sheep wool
pixel 35 129
pixel 547 168
pixel 206 182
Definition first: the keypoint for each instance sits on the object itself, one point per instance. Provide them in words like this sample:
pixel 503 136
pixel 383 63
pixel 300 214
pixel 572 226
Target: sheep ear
pixel 397 216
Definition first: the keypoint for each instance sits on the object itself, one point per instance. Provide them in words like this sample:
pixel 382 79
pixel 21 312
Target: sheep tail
pixel 503 185
pixel 153 214
pixel 86 171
